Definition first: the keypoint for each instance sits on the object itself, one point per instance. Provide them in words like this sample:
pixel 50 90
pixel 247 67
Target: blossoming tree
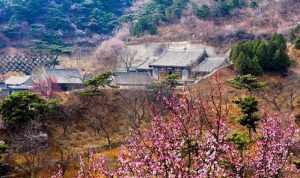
pixel 44 84
pixel 192 140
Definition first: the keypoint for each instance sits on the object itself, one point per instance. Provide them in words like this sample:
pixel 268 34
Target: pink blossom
pixel 190 140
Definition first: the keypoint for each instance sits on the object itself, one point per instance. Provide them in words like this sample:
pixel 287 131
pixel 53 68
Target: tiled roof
pixel 145 55
pixel 62 76
pixel 132 78
pixel 147 63
pixel 179 58
pixel 209 64
pixel 20 87
pixel 65 76
pixel 2 86
pixel 17 80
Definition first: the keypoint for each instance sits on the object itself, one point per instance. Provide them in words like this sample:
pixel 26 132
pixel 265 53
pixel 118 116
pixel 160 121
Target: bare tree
pixel 102 114
pixel 101 125
pixel 107 53
pixel 32 143
pixel 127 58
pixel 135 107
pixel 281 96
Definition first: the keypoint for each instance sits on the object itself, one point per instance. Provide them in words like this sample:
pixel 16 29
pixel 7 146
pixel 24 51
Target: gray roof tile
pixel 65 76
pixel 179 58
pixel 209 64
pixel 132 78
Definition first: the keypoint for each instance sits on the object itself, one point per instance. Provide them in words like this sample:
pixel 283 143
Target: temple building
pixel 156 61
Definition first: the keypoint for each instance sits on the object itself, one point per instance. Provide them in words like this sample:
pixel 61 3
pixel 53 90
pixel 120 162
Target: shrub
pixel 241 140
pixel 203 12
pixel 20 107
pixel 248 82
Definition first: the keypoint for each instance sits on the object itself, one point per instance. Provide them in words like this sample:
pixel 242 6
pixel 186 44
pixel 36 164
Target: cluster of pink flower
pixel 273 148
pixel 191 140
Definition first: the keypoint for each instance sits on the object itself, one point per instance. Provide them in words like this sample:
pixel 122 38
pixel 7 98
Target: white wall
pixel 185 74
pixel 156 73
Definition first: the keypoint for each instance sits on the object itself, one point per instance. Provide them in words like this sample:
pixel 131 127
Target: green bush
pixel 203 12
pixel 248 82
pixel 253 4
pixel 256 56
pixel 241 140
pixel 21 107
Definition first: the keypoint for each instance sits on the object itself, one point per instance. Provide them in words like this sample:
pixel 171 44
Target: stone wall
pixel 23 64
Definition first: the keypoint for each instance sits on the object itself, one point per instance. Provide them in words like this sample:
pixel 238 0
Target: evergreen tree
pixel 237 3
pixel 248 82
pixel 245 65
pixel 142 25
pixel 50 21
pixel 257 56
pixel 203 12
pixel 253 4
pixel 20 107
pixel 222 8
pixel 281 61
pixel 279 41
pixel 249 107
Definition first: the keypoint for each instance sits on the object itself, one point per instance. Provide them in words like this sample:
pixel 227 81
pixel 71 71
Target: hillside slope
pixel 56 25
pixel 58 22
pixel 222 24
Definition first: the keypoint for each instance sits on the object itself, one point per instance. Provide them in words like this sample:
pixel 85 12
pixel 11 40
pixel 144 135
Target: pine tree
pixel 249 107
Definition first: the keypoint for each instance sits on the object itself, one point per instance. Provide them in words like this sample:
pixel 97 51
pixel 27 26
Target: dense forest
pixel 50 22
pixel 57 25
